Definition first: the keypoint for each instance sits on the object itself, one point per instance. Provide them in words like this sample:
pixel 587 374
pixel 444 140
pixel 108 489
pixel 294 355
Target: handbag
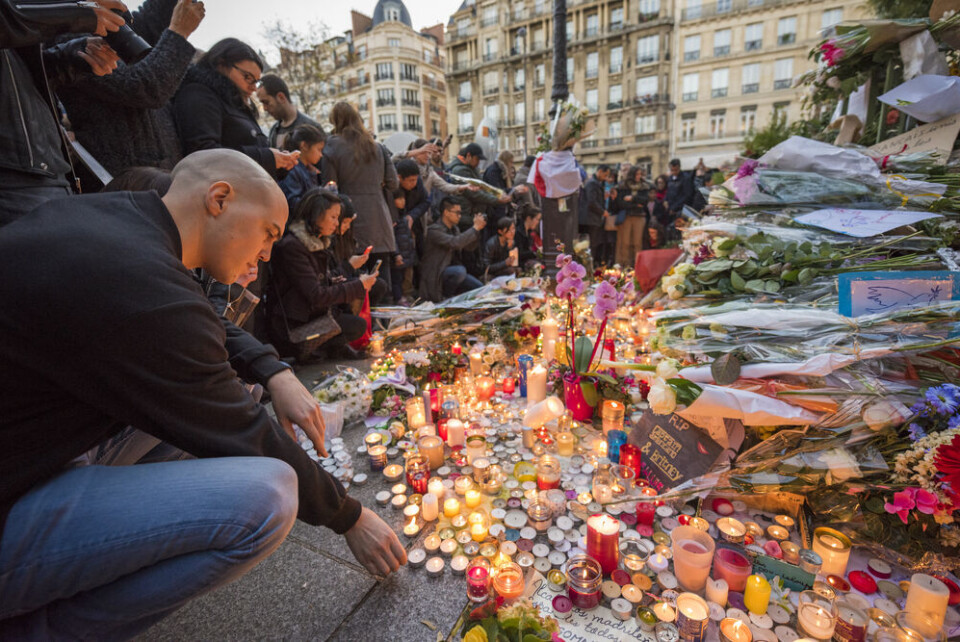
pixel 311 335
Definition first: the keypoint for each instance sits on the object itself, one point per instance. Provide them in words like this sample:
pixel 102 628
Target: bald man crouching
pixel 102 326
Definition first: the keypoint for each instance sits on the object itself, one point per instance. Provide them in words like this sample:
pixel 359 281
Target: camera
pixel 129 46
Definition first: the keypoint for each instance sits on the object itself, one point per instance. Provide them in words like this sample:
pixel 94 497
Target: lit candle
pixel 485 388
pixel 451 507
pixel 692 553
pixel 455 433
pixel 416 415
pixel 693 614
pixel 509 385
pixel 436 487
pixel 733 567
pixel 431 447
pixel 929 596
pixel 479 532
pixel 478 580
pixel 603 541
pixel 548 473
pixel 431 507
pixel 376 346
pixel 456 349
pixel 536 384
pixel 584 581
pixel 462 485
pixel 717 591
pixel 476 364
pixel 664 612
pixel 785 520
pixel 565 442
pixel 816 616
pixel 472 498
pixel 733 630
pixel 731 530
pixel 540 413
pixel 548 349
pixel 508 581
pixel 833 547
pixel 411 527
pixel 630 456
pixel 611 412
pixel 756 595
pixel 476 448
pixel 658 562
pixel 550 328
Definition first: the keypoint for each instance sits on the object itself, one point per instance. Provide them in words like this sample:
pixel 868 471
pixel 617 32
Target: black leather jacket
pixel 32 147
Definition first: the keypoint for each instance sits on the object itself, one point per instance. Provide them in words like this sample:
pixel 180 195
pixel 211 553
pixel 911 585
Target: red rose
pixel 535 331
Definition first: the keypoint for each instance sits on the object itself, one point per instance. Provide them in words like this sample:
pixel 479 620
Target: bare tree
pixel 306 60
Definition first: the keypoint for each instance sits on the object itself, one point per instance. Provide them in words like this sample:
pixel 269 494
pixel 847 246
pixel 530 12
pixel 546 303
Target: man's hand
pixel 506 198
pixel 409 221
pixel 107 20
pixel 606 214
pixel 479 222
pixel 367 280
pixel 520 189
pixel 375 545
pixel 293 404
pixel 100 56
pixel 285 160
pixel 357 260
pixel 187 16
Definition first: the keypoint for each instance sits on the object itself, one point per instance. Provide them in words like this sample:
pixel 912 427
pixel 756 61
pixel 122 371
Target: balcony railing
pixel 464 99
pixel 719 92
pixel 411 103
pixel 753 45
pixel 411 127
pixel 651 99
pixel 689 96
pixel 644 138
pixel 386 102
pixel 615 27
pixel 750 88
pixel 721 51
pixel 616 104
pixel 590 144
pixel 388 127
pixel 380 76
pixel 690 56
pixel 459 34
pixel 490 57
pixel 724 7
pixel 782 84
pixel 519 13
pixel 465 130
pixel 409 77
pixel 489 91
pixel 616 140
pixel 616 68
pixel 435 108
pixel 489 22
pixel 647 59
pixel 786 39
pixel 362 106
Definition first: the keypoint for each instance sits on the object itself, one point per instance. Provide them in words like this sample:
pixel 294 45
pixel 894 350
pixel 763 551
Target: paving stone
pixel 296 594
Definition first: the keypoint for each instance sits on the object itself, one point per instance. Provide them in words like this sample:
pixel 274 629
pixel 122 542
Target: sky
pixel 245 19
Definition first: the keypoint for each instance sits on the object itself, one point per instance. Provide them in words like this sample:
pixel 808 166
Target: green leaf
pixel 590 394
pixel 771 286
pixel 583 348
pixel 790 276
pixel 748 269
pixel 754 286
pixel 607 378
pixel 806 276
pixel 725 369
pixel 727 245
pixel 687 391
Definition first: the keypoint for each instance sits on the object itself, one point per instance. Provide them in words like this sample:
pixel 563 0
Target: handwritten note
pixel 935 137
pixel 862 223
pixel 583 626
pixel 875 292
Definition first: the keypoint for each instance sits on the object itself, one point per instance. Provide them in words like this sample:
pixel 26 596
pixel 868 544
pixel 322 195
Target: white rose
pixel 668 369
pixel 662 398
pixel 529 318
pixel 670 281
pixel 675 292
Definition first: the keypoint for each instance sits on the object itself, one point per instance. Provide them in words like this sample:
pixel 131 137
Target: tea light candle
pixel 479 531
pixel 733 630
pixel 456 433
pixel 833 547
pixel 717 591
pixel 816 616
pixel 509 385
pixel 411 528
pixel 929 596
pixel 756 595
pixel 462 485
pixel 435 566
pixel 664 612
pixel 658 562
pixel 459 521
pixel 537 385
pixel 472 498
pixel 431 447
pixel 430 507
pixel 777 532
pixel 565 442
pixel 785 520
pixel 632 593
pixel 791 552
pixel 416 415
pixel 393 472
pixel 451 507
pixel 542 412
pixel 435 486
pixel 448 547
pixel 611 414
pixel 692 616
pixel 603 541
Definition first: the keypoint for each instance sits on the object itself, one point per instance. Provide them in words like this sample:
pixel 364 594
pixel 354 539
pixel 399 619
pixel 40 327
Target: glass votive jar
pixel 894 634
pixel 565 442
pixel 378 457
pixel 584 579
pixel 692 553
pixel 539 515
pixel 733 566
pixel 602 485
pixel 431 447
pixel 508 581
pixel 919 625
pixel 462 484
pixel 634 554
pixel 481 470
pixel 833 547
pixel 816 616
pixel 548 473
pixel 479 523
pixel 615 439
pixel 416 413
pixel 476 448
pixel 479 573
pixel 418 472
pixel 565 421
pixel 375 438
pixel 624 481
pixel 611 414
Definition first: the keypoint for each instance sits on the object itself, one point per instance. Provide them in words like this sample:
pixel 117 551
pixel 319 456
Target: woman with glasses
pixel 213 108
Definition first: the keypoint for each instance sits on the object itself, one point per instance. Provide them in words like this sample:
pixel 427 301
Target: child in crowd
pixel 309 140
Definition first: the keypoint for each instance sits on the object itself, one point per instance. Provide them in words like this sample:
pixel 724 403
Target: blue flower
pixel 916 432
pixel 920 408
pixel 954 422
pixel 943 399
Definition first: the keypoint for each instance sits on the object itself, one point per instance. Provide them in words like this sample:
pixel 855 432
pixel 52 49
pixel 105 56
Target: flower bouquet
pixel 481 186
pixel 518 622
pixel 351 389
pixel 568 127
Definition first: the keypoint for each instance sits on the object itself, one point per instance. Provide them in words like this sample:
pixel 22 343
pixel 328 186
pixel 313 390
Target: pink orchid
pixel 926 501
pixel 832 52
pixel 563 259
pixel 571 269
pixel 570 286
pixel 748 168
pixel 903 503
pixel 606 296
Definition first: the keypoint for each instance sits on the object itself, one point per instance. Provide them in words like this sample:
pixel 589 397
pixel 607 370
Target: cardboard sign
pixel 862 223
pixel 875 292
pixel 579 625
pixel 674 449
pixel 794 577
pixel 934 137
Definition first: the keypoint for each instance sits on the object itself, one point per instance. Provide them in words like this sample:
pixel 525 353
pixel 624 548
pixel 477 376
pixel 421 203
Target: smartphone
pixel 376 267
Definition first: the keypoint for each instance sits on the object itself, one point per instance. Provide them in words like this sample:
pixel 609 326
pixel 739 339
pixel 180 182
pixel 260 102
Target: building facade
pixel 735 66
pixel 392 74
pixel 500 66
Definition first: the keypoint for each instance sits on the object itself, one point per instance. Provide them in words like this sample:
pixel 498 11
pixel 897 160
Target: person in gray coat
pixel 441 274
pixel 361 170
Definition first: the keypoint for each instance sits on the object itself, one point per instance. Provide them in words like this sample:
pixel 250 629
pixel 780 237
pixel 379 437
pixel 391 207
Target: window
pixel 361 76
pixel 646 88
pixel 616 97
pixel 614 130
pixel 411 123
pixel 362 102
pixel 593 64
pixel 831 17
pixel 519 43
pixel 593 25
pixel 691 86
pixel 751 78
pixel 362 52
pixel 753 36
pixel 434 127
pixel 393 42
pixel 391 13
pixel 518 11
pixel 688 127
pixel 384 70
pixel 570 69
pixel 645 124
pixel 539 39
pixel 718 124
pixel 491 81
pixel 410 97
pixel 616 60
pixel 691 48
pixel 720 83
pixel 466 92
pixel 539 113
pixel 385 97
pixel 721 42
pixel 592 98
pixel 724 6
pixel 649 8
pixel 783 73
pixel 489 16
pixel 648 49
pixel 490 47
pixel 463 24
pixel 748 119
pixel 616 18
pixel 519 113
pixel 465 121
pixel 569 31
pixel 780 110
pixel 408 72
pixel 428 56
pixel 787 31
pixel 388 122
pixel 694 8
pixel 520 79
pixel 490 111
pixel 539 75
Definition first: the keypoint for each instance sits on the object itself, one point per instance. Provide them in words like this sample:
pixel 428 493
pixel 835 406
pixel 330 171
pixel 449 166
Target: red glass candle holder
pixel 509 385
pixel 479 578
pixel 603 541
pixel 584 578
pixel 418 473
pixel 630 456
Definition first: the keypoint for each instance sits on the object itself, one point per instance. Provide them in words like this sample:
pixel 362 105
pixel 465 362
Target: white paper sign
pixel 862 223
pixel 583 626
pixel 927 98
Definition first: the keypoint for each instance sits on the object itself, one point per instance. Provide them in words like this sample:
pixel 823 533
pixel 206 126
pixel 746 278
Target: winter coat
pixel 495 259
pixel 591 203
pixel 438 254
pixel 417 207
pixel 497 175
pixel 637 206
pixel 364 183
pixel 470 202
pixel 278 133
pixel 123 119
pixel 296 183
pixel 210 113
pixel 305 280
pixel 679 191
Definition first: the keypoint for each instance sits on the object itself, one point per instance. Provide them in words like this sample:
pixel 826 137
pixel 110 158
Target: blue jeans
pixel 454 280
pixel 104 552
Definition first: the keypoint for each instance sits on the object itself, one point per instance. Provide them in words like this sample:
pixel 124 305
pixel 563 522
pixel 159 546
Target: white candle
pixel 542 412
pixel 431 506
pixel 833 548
pixel 476 364
pixel 929 596
pixel 717 591
pixel 436 488
pixel 536 384
pixel 550 329
pixel 658 563
pixel 549 349
pixel 602 493
pixel 455 433
pixel 816 620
